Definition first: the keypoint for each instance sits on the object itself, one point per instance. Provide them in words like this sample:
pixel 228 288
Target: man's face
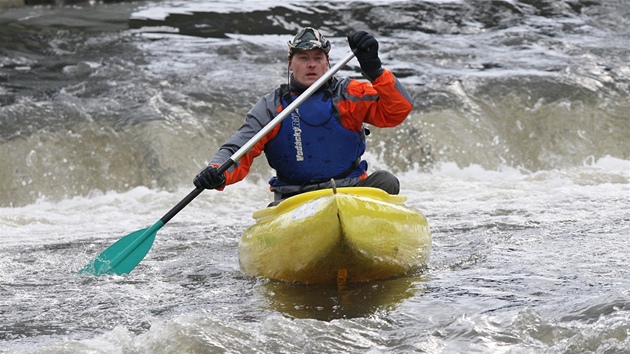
pixel 308 66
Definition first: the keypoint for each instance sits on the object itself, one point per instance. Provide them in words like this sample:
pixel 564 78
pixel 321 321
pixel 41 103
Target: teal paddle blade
pixel 124 255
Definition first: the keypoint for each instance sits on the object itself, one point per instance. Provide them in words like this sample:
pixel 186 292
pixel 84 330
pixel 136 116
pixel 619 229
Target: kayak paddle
pixel 124 255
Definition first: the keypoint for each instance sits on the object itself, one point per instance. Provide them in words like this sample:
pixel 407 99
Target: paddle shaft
pixel 264 131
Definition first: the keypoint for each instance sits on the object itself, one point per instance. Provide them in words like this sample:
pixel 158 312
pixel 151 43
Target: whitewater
pixel 516 152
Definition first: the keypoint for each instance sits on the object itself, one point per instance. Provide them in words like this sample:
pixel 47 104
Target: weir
pixel 109 100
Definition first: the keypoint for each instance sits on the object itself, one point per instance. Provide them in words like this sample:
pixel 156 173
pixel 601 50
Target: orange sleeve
pixel 242 166
pixel 382 103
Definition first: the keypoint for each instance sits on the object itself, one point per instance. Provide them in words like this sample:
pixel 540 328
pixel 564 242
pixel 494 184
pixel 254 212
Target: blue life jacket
pixel 312 146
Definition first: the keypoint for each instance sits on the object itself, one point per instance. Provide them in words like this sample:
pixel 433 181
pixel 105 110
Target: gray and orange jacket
pixel 382 103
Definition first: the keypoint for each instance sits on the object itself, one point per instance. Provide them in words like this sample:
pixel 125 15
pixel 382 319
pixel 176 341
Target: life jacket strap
pixel 343 174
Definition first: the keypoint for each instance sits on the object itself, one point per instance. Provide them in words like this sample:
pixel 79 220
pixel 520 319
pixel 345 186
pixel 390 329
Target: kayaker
pixel 324 138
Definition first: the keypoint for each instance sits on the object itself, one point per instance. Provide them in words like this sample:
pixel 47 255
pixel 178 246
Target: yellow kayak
pixel 343 235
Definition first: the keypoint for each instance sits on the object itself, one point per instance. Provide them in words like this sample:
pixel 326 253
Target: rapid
pixel 516 151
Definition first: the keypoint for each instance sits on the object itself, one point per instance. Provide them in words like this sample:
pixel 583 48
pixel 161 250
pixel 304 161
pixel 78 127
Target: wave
pixel 535 86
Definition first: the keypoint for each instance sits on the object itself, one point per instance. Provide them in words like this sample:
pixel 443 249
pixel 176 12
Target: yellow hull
pixel 355 235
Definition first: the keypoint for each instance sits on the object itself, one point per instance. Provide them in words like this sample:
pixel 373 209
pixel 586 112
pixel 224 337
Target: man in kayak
pixel 324 138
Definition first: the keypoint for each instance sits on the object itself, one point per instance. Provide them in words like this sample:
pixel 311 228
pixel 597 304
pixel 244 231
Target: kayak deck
pixel 354 235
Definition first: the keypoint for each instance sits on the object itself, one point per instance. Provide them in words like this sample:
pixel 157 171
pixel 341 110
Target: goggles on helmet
pixel 308 38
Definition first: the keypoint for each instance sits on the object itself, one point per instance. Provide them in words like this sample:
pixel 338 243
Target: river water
pixel 517 152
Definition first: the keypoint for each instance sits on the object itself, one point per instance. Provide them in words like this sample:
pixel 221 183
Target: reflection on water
pixel 327 302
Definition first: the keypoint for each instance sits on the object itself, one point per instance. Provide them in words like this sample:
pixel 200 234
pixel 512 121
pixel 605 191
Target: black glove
pixel 209 178
pixel 365 47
